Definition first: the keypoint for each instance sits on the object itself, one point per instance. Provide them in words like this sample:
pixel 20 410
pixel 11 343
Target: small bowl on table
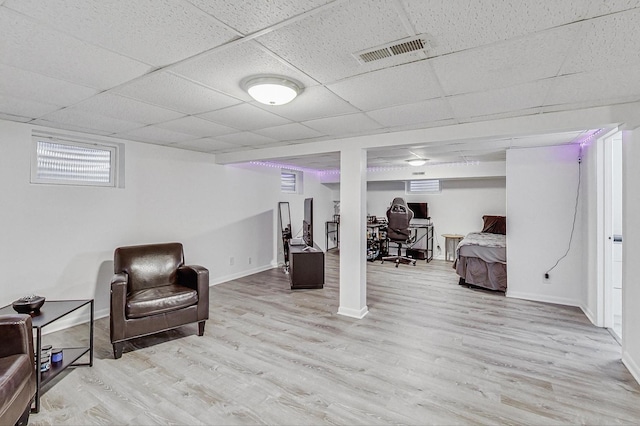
pixel 28 304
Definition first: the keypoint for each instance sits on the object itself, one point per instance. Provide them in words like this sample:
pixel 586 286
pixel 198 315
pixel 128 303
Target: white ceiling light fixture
pixel 272 89
pixel 417 161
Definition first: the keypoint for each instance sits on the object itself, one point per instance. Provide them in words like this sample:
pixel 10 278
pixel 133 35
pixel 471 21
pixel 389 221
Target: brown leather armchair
pixel 17 369
pixel 153 290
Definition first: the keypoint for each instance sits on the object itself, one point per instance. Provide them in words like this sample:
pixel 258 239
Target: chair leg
pixel 117 350
pixel 201 328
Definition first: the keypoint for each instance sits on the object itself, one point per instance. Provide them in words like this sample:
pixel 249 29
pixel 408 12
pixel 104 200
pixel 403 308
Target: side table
pixel 51 311
pixel 451 241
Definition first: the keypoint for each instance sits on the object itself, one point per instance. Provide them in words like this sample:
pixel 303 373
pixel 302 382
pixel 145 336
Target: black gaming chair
pixel 399 217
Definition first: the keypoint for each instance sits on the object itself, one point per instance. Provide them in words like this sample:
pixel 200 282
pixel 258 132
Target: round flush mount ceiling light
pixel 272 90
pixel 417 162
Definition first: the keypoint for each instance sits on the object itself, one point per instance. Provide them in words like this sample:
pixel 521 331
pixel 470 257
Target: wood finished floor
pixel 428 352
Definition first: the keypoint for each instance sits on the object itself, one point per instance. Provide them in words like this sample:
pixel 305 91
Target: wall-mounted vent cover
pixel 399 47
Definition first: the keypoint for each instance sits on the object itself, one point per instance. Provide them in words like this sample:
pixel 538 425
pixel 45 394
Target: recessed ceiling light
pixel 417 162
pixel 272 90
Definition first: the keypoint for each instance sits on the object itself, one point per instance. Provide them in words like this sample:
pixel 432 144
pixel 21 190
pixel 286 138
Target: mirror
pixel 285 230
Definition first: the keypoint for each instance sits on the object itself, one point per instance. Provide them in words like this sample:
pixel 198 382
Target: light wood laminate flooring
pixel 428 352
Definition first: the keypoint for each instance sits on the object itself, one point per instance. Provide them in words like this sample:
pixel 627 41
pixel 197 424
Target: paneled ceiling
pixel 168 72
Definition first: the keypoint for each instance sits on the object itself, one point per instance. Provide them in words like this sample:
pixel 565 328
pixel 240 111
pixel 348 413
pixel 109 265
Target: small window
pixel 73 163
pixel 290 181
pixel 430 186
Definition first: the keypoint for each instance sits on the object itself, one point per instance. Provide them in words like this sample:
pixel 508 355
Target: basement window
pixel 429 186
pixel 290 181
pixel 65 162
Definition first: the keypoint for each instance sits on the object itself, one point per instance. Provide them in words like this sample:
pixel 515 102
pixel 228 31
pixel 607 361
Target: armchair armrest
pixel 197 278
pixel 16 335
pixel 118 303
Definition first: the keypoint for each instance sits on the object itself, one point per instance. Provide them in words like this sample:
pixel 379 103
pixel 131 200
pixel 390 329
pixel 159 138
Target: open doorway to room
pixel 613 234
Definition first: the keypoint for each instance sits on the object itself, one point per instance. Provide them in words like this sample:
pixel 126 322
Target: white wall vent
pixel 395 48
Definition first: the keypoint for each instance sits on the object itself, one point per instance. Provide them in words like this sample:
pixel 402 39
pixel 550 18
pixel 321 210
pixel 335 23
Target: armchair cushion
pixel 158 300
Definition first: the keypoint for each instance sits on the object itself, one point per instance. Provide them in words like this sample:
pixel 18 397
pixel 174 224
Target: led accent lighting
pixel 272 90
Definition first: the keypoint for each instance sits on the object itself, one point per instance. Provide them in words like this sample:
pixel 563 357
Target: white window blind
pixel 423 186
pixel 289 181
pixel 73 163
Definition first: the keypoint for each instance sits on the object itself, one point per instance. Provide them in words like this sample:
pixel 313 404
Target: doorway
pixel 613 234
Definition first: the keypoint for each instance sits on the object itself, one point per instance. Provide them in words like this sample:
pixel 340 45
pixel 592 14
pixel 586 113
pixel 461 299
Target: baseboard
pixel 77 318
pixel 631 365
pixel 241 274
pixel 353 313
pixel 543 298
pixel 587 312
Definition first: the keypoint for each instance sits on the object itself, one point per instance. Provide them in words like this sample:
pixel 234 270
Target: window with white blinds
pixel 429 186
pixel 290 181
pixel 73 163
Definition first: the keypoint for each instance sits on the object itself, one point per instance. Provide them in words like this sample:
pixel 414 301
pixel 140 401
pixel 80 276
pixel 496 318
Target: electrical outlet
pixel 546 277
pixel 249 260
pixel 231 261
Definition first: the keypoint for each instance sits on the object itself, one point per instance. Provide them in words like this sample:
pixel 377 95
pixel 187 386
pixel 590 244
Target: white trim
pixel 631 365
pixel 546 299
pixel 353 313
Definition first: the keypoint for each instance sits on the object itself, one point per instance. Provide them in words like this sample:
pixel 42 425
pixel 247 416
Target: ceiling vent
pixel 399 47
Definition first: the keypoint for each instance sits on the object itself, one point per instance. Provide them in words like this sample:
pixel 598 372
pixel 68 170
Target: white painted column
pixel 353 243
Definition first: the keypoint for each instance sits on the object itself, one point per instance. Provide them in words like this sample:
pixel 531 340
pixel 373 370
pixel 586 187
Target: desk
pixel 417 250
pixel 451 241
pixel 51 311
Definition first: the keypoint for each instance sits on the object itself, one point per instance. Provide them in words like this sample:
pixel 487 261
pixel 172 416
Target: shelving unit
pixel 332 235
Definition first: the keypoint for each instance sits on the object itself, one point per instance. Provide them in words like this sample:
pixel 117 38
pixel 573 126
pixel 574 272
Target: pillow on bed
pixel 494 224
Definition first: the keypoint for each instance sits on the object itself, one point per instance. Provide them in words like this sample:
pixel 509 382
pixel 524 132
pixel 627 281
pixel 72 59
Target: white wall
pixel 58 241
pixel 631 252
pixel 541 195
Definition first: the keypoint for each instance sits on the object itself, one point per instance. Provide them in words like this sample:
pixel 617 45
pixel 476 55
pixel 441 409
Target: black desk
pixel 51 311
pixel 306 267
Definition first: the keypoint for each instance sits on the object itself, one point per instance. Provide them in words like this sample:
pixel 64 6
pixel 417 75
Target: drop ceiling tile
pixel 506 100
pixel 421 113
pixel 175 93
pixel 288 132
pixel 34 47
pixel 606 7
pixel 155 135
pixel 16 118
pixel 246 139
pixel 314 102
pixel 207 145
pixel 40 88
pixel 244 117
pixel 455 25
pixel 249 16
pixel 71 127
pixel 342 30
pixel 512 62
pixel 122 108
pixel 241 61
pixel 607 84
pixel 89 121
pixel 24 107
pixel 133 28
pixel 608 42
pixel 502 115
pixel 392 86
pixel 351 124
pixel 197 127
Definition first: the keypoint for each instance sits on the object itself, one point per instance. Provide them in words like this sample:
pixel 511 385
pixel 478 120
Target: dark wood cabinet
pixel 306 267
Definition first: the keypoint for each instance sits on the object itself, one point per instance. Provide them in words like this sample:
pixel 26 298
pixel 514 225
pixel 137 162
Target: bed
pixel 481 257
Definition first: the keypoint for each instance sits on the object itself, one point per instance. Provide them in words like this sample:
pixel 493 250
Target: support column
pixel 353 243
